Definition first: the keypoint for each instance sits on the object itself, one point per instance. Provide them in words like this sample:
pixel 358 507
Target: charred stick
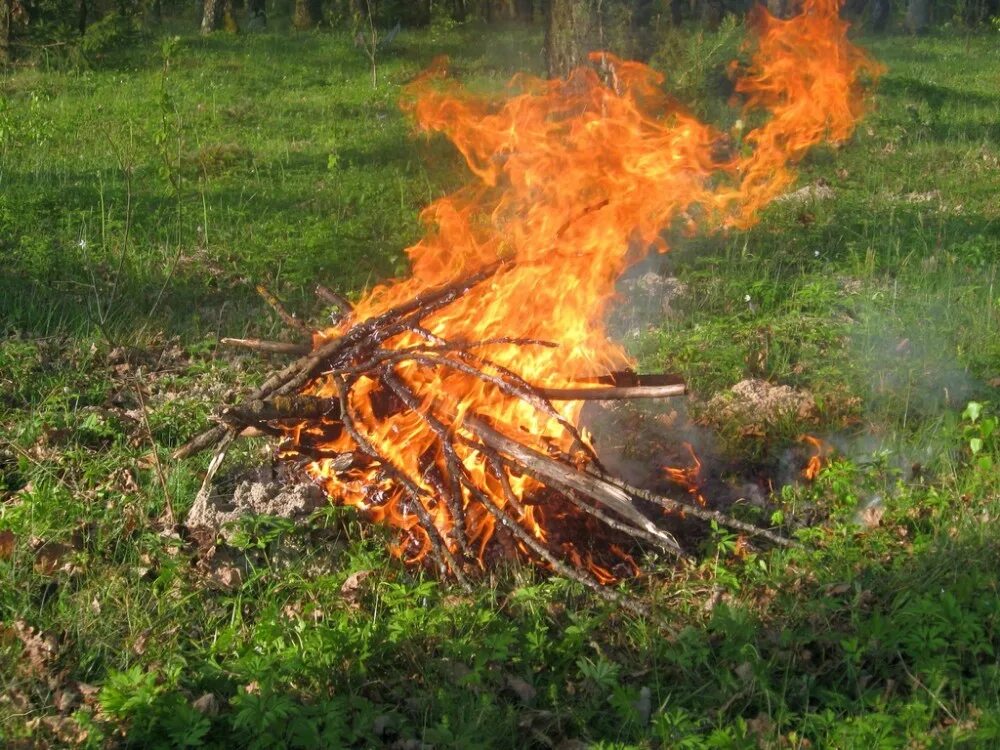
pixel 557 474
pixel 500 473
pixel 202 441
pixel 298 373
pixel 334 299
pixel 374 331
pixel 613 523
pixel 275 304
pixel 279 408
pixel 631 379
pixel 338 461
pixel 213 435
pixel 273 347
pixel 402 354
pixel 705 514
pixel 522 391
pixel 557 565
pixel 540 402
pixel 442 554
pixel 455 467
pixel 613 393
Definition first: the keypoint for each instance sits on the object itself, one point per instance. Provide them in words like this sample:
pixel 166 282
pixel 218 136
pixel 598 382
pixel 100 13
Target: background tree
pixel 217 15
pixel 258 12
pixel 918 16
pixel 6 24
pixel 570 31
pixel 308 14
pixel 498 10
pixel 211 16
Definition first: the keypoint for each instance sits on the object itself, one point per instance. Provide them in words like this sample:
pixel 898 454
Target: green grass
pixel 141 202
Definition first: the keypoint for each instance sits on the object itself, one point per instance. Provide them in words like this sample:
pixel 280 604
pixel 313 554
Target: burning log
pixel 336 407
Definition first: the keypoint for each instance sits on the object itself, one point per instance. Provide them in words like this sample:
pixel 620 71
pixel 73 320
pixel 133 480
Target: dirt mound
pixel 756 405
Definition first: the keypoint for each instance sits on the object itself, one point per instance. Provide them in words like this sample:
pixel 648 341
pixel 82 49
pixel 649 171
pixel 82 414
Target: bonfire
pixel 448 403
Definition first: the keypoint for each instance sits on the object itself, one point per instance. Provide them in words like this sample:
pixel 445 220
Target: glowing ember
pixel 574 181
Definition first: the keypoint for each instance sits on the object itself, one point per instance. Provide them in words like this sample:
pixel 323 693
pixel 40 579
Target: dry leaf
pixel 39 648
pixel 524 691
pixel 207 704
pixel 7 544
pixel 227 576
pixel 49 557
pixel 66 700
pixel 88 692
pixel 65 729
pixel 872 517
pixel 351 590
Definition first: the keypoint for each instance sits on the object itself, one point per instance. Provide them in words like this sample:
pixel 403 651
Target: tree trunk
pixel 81 17
pixel 499 10
pixel 569 32
pixel 712 12
pixel 525 10
pixel 211 19
pixel 155 14
pixel 918 16
pixel 421 15
pixel 308 14
pixel 6 24
pixel 881 12
pixel 229 17
pixel 458 10
pixel 258 13
pixel 777 8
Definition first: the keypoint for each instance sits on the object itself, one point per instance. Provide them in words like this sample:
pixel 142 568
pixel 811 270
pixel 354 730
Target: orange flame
pixel 689 478
pixel 818 459
pixel 574 181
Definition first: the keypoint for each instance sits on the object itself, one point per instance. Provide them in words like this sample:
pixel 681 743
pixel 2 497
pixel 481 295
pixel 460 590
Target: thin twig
pixel 334 299
pixel 629 603
pixel 272 347
pixel 705 514
pixel 444 557
pixel 168 502
pixel 455 468
pixel 275 304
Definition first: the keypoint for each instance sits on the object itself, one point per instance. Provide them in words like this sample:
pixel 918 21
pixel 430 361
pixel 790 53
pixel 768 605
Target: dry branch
pixel 613 393
pixel 369 350
pixel 275 304
pixel 272 347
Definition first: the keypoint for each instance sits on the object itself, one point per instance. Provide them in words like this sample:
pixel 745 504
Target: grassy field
pixel 141 200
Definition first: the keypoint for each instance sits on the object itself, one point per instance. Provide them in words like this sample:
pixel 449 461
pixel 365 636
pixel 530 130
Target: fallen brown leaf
pixel 872 517
pixel 227 576
pixel 7 544
pixel 39 648
pixel 351 590
pixel 524 691
pixel 49 557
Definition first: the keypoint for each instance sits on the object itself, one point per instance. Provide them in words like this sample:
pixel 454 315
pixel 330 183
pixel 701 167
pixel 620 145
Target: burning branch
pixel 338 405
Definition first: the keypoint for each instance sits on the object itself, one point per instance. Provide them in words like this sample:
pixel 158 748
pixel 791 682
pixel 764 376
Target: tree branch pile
pixel 468 480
